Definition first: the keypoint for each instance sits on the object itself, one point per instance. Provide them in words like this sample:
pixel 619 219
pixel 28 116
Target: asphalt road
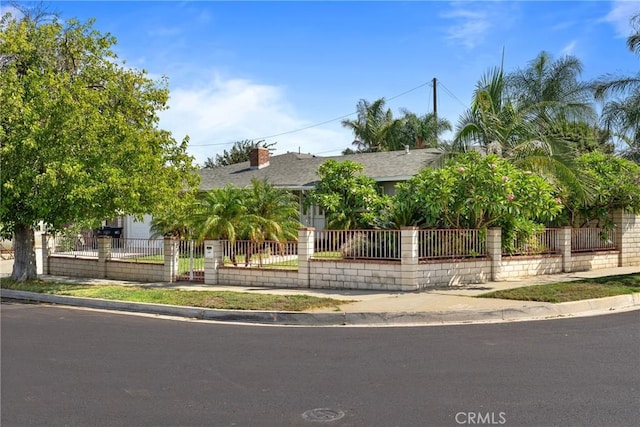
pixel 71 367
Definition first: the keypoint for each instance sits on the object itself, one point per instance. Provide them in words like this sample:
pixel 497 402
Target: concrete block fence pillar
pixel 409 257
pixel 213 260
pixel 104 254
pixel 494 250
pixel 306 245
pixel 171 254
pixel 47 250
pixel 564 246
pixel 627 237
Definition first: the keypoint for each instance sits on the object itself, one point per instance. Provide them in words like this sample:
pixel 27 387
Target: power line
pixel 451 94
pixel 314 125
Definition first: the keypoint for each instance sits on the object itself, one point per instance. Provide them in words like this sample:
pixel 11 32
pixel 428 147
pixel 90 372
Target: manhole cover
pixel 323 415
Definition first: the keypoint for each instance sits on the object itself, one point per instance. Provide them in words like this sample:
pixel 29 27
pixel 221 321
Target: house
pixel 299 172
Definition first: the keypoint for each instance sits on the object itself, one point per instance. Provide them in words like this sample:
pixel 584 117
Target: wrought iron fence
pixel 138 250
pixel 451 243
pixel 357 244
pixel 592 239
pixel 75 245
pixel 544 242
pixel 268 254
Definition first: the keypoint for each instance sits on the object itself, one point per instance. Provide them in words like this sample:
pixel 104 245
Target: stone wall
pixel 234 276
pixel 74 267
pixel 137 271
pixel 525 266
pixel 450 273
pixel 342 274
pixel 60 265
pixel 103 266
pixel 594 260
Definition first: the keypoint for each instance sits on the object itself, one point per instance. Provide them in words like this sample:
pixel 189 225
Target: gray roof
pixel 299 171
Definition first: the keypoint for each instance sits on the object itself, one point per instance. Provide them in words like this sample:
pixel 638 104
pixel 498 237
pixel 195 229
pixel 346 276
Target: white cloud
pixel 620 16
pixel 220 111
pixel 570 48
pixel 476 22
pixel 470 27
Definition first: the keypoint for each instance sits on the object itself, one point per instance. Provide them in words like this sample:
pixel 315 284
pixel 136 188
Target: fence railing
pixel 592 239
pixel 76 245
pixel 357 244
pixel 268 254
pixel 138 250
pixel 451 243
pixel 544 242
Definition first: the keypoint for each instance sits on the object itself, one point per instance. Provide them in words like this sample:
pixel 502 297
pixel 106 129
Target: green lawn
pixel 183 263
pixel 328 255
pixel 228 300
pixel 572 291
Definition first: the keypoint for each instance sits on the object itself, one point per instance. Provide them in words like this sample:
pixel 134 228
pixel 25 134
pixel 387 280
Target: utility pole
pixel 435 112
pixel 435 99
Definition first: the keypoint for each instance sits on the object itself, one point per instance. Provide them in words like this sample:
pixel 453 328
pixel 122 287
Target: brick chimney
pixel 259 158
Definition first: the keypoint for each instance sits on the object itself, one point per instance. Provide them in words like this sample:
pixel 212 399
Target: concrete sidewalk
pixel 434 306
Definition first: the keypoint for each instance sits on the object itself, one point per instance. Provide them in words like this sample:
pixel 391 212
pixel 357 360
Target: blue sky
pixel 249 70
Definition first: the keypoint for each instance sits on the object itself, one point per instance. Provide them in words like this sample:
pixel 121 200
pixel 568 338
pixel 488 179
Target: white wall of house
pixel 133 229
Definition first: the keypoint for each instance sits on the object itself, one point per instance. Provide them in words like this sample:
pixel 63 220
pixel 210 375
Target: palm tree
pixel 169 224
pixel 621 115
pixel 372 127
pixel 633 42
pixel 500 124
pixel 218 213
pixel 553 89
pixel 424 131
pixel 272 213
pixel 490 122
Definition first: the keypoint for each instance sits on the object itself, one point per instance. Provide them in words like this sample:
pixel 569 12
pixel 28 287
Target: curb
pixel 536 312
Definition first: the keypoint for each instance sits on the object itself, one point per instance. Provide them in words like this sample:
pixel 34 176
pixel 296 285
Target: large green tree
pixel 616 182
pixel 79 133
pixel 349 199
